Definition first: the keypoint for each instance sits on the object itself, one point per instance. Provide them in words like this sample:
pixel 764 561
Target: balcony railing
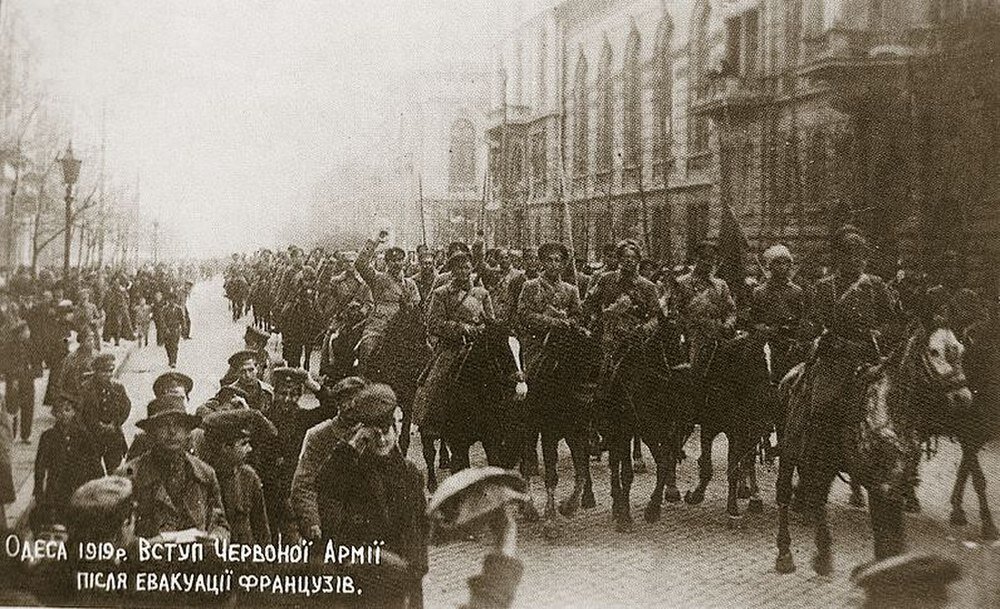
pixel 735 94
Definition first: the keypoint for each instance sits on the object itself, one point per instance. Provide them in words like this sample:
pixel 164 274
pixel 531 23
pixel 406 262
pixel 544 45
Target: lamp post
pixel 71 171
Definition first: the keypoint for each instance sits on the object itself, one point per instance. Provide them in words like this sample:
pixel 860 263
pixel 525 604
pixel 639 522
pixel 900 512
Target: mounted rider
pixel 455 318
pixel 391 291
pixel 706 306
pixel 625 305
pixel 850 307
pixel 349 303
pixel 778 309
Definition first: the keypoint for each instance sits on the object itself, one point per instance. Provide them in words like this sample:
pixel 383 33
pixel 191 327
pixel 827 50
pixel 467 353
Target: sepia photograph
pixel 500 304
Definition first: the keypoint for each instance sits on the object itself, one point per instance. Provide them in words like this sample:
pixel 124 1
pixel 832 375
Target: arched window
pixel 581 126
pixel 462 156
pixel 663 97
pixel 632 97
pixel 698 125
pixel 605 114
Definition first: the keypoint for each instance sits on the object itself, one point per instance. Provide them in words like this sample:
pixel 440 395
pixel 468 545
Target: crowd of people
pixel 251 465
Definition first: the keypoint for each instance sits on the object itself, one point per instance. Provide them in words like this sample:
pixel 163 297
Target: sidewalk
pixel 22 456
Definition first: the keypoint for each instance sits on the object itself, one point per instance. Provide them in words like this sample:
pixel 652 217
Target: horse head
pixel 502 350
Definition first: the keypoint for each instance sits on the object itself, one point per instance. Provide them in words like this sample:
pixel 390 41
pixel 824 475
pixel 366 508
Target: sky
pixel 228 112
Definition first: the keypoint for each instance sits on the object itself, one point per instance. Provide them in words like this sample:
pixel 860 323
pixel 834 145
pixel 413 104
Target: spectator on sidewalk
pixel 67 458
pixel 20 365
pixel 170 326
pixel 104 408
pixel 77 365
pixel 142 313
pixel 87 316
pixel 174 490
pixel 55 344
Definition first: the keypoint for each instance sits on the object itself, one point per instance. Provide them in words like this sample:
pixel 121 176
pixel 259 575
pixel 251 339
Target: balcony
pixel 515 115
pixel 841 54
pixel 731 97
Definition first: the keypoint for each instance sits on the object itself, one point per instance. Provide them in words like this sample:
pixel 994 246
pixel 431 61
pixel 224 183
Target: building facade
pixel 650 119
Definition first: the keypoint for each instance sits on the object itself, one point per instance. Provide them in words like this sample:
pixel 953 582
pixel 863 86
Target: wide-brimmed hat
pixel 172 378
pixel 165 407
pixel 469 497
pixel 289 376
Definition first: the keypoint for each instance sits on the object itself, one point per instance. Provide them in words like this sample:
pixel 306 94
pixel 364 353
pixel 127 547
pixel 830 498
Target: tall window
pixel 632 94
pixel 698 126
pixel 605 114
pixel 543 60
pixel 663 98
pixel 581 126
pixel 462 156
pixel 793 32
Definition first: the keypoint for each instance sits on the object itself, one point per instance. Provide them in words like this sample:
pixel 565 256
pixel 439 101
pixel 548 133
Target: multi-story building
pixel 649 119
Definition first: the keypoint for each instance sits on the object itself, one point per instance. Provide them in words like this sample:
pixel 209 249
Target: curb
pixel 21 520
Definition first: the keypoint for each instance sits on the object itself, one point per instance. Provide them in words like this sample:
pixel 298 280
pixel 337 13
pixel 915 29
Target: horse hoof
pixel 652 512
pixel 551 530
pixel 784 564
pixel 671 494
pixel 694 497
pixel 756 506
pixel 624 524
pixel 743 492
pixel 568 508
pixel 588 502
pixel 734 521
pixel 639 466
pixel 822 564
pixel 990 532
pixel 958 518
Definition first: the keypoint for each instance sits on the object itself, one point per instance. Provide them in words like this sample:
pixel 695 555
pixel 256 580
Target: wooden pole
pixel 423 220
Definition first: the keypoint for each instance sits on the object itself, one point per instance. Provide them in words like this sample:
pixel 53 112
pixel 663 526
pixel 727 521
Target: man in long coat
pixel 104 408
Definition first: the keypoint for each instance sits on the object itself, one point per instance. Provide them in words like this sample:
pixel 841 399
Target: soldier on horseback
pixel 707 307
pixel 390 290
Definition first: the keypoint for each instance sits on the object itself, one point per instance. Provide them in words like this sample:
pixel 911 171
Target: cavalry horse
pixel 397 360
pixel 484 383
pixel 871 431
pixel 645 397
pixel 738 397
pixel 563 382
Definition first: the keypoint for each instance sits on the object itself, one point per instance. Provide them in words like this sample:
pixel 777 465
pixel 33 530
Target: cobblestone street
pixel 692 557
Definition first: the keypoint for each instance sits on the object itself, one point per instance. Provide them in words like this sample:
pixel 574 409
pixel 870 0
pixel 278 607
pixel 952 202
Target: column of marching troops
pixel 252 466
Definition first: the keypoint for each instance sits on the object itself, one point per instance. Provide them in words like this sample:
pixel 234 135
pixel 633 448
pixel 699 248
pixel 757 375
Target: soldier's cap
pixel 909 575
pixel 850 243
pixel 395 253
pixel 104 362
pixel 255 335
pixel 65 303
pixel 346 388
pixel 777 252
pixel 457 246
pixel 228 392
pixel 102 498
pixel 626 244
pixel 66 398
pixel 706 248
pixel 374 404
pixel 547 249
pixel 168 379
pixel 349 256
pixel 237 359
pixel 469 497
pixel 289 376
pixel 164 408
pixel 226 426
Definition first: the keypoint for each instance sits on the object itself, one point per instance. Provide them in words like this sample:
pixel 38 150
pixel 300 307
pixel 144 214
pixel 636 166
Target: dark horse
pixel 645 397
pixel 484 382
pixel 563 381
pixel 737 397
pixel 397 360
pixel 870 432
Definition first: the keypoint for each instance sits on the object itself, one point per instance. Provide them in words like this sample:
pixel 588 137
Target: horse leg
pixel 581 471
pixel 989 529
pixel 734 475
pixel 911 503
pixel 616 481
pixel 887 525
pixel 459 455
pixel 583 468
pixel 655 506
pixel 756 504
pixel 550 459
pixel 857 498
pixel 822 562
pixel 638 465
pixel 784 563
pixel 957 513
pixel 427 443
pixel 625 521
pixel 704 468
pixel 671 454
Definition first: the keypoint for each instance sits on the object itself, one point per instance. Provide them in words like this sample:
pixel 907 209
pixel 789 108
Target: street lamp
pixel 71 171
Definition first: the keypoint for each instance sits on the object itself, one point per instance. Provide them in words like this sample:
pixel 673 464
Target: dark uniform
pixel 170 327
pixel 104 408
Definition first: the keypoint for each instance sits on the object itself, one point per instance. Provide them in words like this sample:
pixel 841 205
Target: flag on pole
pixel 733 246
